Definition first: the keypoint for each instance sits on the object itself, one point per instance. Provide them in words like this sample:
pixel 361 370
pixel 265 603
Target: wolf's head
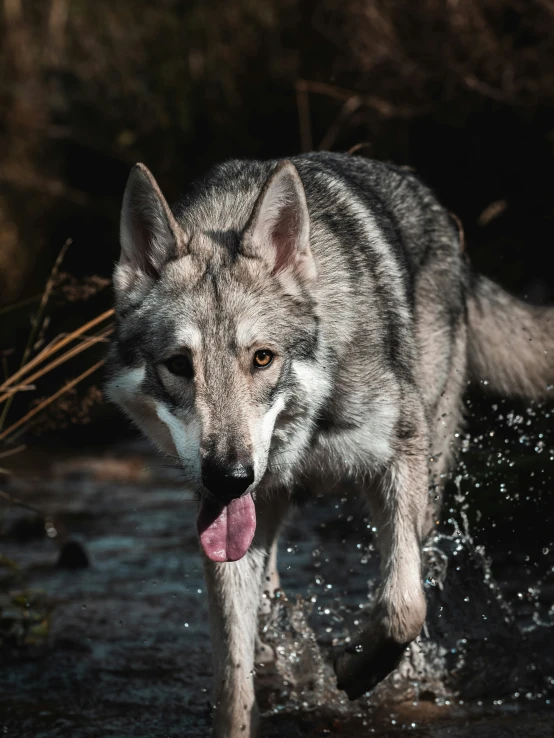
pixel 215 327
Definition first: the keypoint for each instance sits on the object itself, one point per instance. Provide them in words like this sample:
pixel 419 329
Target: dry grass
pixel 25 376
pixel 48 401
pixel 42 363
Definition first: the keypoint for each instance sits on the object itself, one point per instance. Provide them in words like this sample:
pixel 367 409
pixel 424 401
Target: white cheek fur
pixel 167 432
pixel 185 436
pixel 261 438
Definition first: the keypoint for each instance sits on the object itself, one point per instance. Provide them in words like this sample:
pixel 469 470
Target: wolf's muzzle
pixel 227 481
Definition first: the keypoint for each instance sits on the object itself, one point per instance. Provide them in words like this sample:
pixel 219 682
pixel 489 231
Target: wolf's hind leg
pixel 234 591
pixel 398 504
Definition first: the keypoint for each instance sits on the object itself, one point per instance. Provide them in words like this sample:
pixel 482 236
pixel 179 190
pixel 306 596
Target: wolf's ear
pixel 149 233
pixel 279 228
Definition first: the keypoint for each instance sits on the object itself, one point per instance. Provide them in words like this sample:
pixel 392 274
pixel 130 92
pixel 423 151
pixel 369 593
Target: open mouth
pixel 226 530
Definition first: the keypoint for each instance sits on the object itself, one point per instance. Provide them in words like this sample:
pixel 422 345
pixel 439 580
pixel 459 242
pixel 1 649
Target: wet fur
pixel 379 324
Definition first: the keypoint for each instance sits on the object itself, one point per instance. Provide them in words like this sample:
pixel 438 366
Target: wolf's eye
pixel 179 365
pixel 263 358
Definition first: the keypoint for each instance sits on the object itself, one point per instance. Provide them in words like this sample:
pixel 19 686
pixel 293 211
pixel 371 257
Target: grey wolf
pixel 299 323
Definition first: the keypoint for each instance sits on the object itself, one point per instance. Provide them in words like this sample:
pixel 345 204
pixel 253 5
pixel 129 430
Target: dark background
pixel 462 92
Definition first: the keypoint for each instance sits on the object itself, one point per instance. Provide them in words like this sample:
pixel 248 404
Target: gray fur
pixel 352 273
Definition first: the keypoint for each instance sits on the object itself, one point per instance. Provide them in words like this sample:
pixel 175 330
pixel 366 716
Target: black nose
pixel 226 482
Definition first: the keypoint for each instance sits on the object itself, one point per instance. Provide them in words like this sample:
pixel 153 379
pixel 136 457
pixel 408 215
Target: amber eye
pixel 263 358
pixel 180 365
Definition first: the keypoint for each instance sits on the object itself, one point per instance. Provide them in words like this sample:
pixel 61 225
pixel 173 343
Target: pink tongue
pixel 226 532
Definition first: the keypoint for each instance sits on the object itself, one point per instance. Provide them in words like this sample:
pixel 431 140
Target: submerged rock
pixel 72 556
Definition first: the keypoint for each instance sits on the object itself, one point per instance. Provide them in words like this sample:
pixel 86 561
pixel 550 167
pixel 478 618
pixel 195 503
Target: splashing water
pixel 479 645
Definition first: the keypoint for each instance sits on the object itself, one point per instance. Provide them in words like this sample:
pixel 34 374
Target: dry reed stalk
pixel 347 110
pixel 383 107
pixel 50 400
pixel 39 317
pixel 54 348
pixel 18 388
pixel 89 341
pixel 12 451
pixel 38 320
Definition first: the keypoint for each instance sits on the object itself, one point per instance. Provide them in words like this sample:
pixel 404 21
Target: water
pixel 121 648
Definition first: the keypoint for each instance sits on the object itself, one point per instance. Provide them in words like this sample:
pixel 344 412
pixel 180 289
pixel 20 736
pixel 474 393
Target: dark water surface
pixel 104 620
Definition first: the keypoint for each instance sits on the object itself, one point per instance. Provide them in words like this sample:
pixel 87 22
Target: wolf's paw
pixel 364 664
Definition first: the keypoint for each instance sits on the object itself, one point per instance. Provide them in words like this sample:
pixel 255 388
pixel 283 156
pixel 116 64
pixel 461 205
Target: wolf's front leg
pixel 234 591
pixel 398 504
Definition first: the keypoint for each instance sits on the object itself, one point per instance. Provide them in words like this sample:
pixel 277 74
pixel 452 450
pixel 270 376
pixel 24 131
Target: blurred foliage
pixel 441 56
pixel 24 619
pixel 463 91
pixel 90 87
pixel 24 613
